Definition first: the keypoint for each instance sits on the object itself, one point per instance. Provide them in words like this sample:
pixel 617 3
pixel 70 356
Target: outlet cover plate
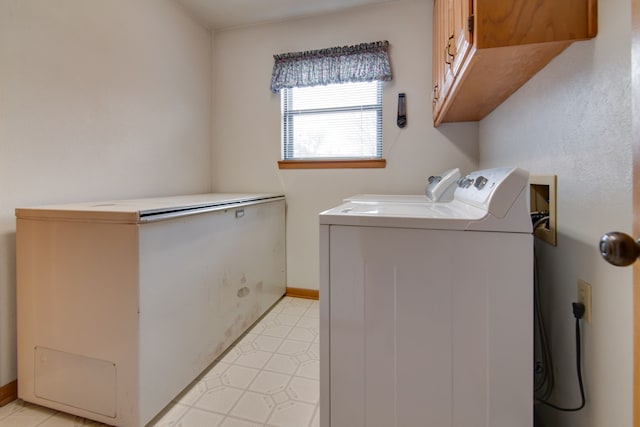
pixel 584 297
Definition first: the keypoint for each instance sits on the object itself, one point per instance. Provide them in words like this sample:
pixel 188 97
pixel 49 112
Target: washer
pixel 426 309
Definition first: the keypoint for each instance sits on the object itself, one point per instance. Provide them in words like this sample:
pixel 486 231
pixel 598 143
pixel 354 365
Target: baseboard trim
pixel 303 293
pixel 8 393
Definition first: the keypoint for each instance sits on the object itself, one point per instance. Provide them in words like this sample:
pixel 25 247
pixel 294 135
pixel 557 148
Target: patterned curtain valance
pixel 360 63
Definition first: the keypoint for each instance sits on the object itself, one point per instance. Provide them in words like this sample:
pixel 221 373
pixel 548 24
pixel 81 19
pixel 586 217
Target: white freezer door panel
pixel 77 296
pixel 204 280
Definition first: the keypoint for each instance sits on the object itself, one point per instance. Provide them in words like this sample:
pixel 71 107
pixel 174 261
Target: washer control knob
pixel 465 182
pixel 481 181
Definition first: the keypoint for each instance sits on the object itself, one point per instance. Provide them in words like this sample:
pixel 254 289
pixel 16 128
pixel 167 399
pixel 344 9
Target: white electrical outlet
pixel 584 297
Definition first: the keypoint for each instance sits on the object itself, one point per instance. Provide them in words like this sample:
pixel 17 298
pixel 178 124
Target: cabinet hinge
pixel 470 22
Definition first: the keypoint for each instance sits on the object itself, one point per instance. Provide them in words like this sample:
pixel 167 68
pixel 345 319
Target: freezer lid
pixel 135 211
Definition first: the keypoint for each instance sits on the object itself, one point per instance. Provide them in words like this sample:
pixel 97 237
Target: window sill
pixel 332 164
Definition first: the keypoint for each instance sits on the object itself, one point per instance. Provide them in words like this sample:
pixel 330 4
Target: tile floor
pixel 268 378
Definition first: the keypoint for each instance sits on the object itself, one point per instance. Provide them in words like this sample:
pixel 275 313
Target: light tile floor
pixel 270 377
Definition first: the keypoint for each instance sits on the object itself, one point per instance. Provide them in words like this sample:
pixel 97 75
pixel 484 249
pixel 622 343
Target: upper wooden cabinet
pixel 484 50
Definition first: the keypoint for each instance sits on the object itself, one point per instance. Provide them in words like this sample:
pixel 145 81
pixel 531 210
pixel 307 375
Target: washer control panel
pixel 480 187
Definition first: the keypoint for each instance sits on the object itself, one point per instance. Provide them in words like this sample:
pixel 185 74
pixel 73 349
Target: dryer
pixel 426 309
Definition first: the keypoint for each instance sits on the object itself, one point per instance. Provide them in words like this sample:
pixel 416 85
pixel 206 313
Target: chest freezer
pixel 122 304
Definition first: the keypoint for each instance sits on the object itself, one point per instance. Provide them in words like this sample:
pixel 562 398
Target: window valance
pixel 359 63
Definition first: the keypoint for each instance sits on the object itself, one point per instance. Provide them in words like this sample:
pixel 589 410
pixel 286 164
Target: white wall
pixel 98 100
pixel 573 119
pixel 246 119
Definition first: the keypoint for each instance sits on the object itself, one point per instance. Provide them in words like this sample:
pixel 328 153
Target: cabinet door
pixel 460 38
pixel 450 45
pixel 436 65
pixel 442 71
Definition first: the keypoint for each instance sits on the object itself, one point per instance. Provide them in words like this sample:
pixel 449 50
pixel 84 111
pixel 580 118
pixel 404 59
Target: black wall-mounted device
pixel 402 110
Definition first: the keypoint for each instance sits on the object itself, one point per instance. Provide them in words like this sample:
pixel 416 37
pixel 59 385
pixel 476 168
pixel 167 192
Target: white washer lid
pixel 388 198
pixel 452 215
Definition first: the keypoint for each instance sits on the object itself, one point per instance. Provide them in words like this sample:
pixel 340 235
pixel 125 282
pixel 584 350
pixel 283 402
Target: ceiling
pixel 221 14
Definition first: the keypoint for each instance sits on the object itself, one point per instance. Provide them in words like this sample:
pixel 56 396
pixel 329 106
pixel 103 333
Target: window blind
pixel 338 121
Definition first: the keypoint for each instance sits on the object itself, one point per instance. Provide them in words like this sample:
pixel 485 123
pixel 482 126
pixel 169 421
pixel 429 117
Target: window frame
pixel 287 141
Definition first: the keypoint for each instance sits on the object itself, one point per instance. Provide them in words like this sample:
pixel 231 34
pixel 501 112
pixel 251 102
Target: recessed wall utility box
pixel 543 200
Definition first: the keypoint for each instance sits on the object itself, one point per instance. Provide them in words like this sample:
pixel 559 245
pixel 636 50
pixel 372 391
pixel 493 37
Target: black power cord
pixel 578 312
pixel 544 376
pixel 544 381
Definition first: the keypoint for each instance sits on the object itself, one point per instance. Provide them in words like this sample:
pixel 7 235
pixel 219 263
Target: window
pixel 334 122
pixel 331 101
